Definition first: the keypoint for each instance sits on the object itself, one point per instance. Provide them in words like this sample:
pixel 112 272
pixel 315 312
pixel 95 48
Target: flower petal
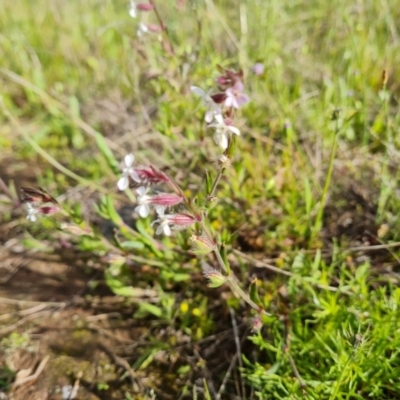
pixel 160 210
pixel 234 130
pixel 198 91
pixel 134 175
pixel 143 210
pixel 123 183
pixel 141 191
pixel 167 230
pixel 219 118
pixel 221 140
pixel 209 116
pixel 129 159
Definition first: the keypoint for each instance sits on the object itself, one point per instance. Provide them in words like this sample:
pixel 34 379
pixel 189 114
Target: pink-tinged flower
pixel 228 78
pixel 143 199
pixel 256 324
pixel 223 131
pixel 258 69
pixel 32 212
pixel 160 201
pixel 127 171
pixel 235 97
pixel 208 102
pixel 172 221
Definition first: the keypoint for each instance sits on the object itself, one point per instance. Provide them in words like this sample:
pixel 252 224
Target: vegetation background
pixel 309 207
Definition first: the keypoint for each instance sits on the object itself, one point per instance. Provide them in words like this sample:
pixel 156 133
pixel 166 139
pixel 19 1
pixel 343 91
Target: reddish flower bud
pixel 165 199
pixel 144 7
pixel 151 175
pixel 218 98
pixel 183 220
pixel 48 210
pixel 154 28
pixel 40 196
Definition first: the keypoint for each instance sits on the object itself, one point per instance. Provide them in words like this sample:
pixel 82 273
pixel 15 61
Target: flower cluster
pixel 221 106
pixel 38 202
pixel 145 178
pixel 143 27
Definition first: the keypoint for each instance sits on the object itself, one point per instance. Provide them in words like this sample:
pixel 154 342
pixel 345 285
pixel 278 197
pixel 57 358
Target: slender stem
pixel 234 285
pixel 321 208
pixel 216 182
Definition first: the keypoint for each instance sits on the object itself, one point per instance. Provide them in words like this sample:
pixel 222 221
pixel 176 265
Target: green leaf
pixel 129 244
pixel 107 153
pixel 146 308
pixel 254 292
pixel 208 182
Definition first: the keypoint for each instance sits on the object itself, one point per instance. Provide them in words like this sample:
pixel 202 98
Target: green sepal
pixel 254 296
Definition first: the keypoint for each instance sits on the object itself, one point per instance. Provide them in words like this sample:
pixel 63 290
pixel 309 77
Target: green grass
pixel 76 84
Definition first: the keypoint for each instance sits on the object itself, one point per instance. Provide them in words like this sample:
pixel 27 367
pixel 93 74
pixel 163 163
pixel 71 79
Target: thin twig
pixel 207 373
pixel 238 350
pixel 5 300
pixel 120 362
pixel 286 350
pixel 168 47
pixel 34 376
pixel 74 391
pixel 226 377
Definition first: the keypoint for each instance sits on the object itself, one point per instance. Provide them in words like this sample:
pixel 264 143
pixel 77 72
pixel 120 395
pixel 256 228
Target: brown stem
pixel 166 44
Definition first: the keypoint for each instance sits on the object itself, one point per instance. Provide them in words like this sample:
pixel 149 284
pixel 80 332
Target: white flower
pixel 164 220
pixel 212 107
pixel 222 131
pixel 142 29
pixel 127 171
pixel 32 211
pixel 144 200
pixel 132 9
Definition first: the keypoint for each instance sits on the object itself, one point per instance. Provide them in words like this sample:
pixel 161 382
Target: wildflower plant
pixel 221 108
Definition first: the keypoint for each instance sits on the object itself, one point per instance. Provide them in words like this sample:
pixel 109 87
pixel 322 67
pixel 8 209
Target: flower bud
pixel 151 175
pixel 48 210
pixel 219 97
pixel 256 324
pixel 181 220
pixel 39 196
pixel 75 229
pixel 144 7
pixel 215 278
pixel 166 199
pixel 154 28
pixel 201 245
pixel 258 69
